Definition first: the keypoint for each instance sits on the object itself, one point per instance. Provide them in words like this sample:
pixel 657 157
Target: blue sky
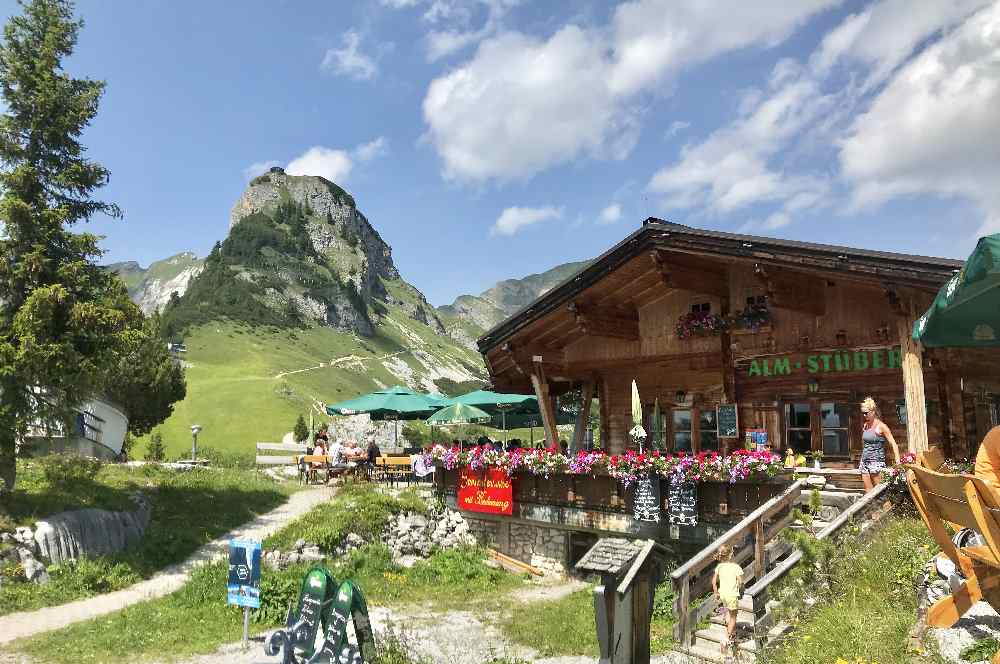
pixel 487 139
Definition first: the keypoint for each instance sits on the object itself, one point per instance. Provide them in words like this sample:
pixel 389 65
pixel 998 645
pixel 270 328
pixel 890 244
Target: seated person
pixel 314 467
pixel 352 453
pixel 988 459
pixel 373 451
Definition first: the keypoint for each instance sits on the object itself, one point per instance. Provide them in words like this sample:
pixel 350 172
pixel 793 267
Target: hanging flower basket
pixel 700 324
pixel 753 319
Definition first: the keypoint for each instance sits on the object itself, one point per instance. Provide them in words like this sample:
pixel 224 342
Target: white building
pixel 98 430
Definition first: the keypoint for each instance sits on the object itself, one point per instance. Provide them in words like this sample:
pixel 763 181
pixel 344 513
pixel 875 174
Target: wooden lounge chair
pixel 967 501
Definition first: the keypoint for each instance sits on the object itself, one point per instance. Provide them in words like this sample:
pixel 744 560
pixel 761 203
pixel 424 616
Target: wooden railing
pixel 757 593
pixel 753 539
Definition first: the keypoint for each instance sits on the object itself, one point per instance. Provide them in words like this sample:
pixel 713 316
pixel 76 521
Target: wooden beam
pixel 541 385
pixel 604 396
pixel 582 416
pixel 606 321
pixel 913 385
pixel 796 291
pixel 698 280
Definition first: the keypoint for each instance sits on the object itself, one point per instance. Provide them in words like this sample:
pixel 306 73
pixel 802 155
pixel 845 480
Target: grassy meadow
pixel 236 392
pixel 189 509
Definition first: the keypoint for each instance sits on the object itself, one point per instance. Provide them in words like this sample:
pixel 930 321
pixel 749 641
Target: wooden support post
pixel 913 385
pixel 541 385
pixel 605 411
pixel 759 553
pixel 582 416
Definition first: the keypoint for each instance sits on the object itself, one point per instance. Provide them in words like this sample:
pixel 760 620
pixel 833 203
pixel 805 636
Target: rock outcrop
pixel 90 532
pixel 69 535
pixel 337 228
pixel 496 304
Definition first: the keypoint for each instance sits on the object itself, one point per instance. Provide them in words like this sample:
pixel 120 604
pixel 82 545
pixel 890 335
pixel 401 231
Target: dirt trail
pixel 19 625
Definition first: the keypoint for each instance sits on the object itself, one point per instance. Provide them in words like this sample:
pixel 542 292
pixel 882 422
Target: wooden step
pixel 716 634
pixel 712 654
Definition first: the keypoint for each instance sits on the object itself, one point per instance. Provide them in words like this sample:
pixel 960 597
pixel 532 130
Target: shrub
pixel 301 431
pixel 155 451
pixel 67 472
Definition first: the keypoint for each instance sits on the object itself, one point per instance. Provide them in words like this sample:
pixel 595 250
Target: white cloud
pixel 259 168
pixel 808 109
pixel 349 60
pixel 400 4
pixel 334 165
pixel 730 169
pixel 610 214
pixel 935 127
pixel 513 219
pixel 522 104
pixel 375 148
pixel 676 127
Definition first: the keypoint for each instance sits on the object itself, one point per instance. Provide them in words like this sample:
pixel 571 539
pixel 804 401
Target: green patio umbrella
pixel 393 403
pixel 459 413
pixel 497 403
pixel 966 311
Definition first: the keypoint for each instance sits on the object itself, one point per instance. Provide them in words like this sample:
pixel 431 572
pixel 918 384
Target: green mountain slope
pixel 299 306
pixel 473 315
pixel 151 287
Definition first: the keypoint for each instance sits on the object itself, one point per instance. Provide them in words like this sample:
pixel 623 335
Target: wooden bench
pixel 291 450
pixel 964 500
pixel 393 469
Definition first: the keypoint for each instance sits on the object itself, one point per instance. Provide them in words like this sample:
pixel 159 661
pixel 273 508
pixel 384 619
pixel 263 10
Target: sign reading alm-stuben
pixel 830 362
pixel 489 491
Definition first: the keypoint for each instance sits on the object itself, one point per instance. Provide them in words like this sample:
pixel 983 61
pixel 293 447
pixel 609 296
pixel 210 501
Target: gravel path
pixel 19 625
pixel 456 637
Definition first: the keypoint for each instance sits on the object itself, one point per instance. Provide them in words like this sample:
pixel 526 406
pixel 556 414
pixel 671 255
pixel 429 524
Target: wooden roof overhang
pixel 602 300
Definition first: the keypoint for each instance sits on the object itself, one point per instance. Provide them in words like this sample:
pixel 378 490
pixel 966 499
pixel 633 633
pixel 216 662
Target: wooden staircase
pixel 766 557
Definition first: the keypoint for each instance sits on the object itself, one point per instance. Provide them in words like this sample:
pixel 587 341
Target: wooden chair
pixel 398 469
pixel 967 501
pixel 933 459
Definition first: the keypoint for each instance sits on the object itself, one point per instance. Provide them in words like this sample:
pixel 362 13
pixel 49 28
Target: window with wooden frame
pixel 708 430
pixel 701 308
pixel 657 432
pixel 834 418
pixel 682 430
pixel 798 426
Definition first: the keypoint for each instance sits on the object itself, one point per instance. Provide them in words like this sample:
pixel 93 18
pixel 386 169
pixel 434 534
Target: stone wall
pixel 537 545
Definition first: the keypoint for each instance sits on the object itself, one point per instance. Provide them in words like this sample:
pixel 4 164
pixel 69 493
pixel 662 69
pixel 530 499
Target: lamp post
pixel 195 428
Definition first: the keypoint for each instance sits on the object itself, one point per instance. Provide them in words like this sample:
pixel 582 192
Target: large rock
pixel 89 532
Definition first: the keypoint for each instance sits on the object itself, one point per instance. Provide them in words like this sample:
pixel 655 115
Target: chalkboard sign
pixel 646 505
pixel 682 502
pixel 729 426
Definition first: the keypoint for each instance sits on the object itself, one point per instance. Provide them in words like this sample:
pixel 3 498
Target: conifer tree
pixel 64 321
pixel 301 431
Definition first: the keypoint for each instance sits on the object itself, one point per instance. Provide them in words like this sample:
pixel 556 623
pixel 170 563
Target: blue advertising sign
pixel 244 573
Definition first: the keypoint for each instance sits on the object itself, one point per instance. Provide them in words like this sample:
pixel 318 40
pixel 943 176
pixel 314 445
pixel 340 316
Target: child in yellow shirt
pixel 726 584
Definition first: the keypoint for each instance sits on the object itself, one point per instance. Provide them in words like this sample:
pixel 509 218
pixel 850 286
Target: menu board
pixel 682 501
pixel 646 504
pixel 728 418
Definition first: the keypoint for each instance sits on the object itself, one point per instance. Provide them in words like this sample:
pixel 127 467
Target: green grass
pixel 196 620
pixel 355 509
pixel 234 392
pixel 544 625
pixel 870 606
pixel 189 510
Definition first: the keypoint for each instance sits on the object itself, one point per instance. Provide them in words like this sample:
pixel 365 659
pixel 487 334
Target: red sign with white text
pixel 488 490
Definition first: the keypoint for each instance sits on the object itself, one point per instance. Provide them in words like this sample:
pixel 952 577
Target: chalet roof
pixel 922 272
pixel 610 555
